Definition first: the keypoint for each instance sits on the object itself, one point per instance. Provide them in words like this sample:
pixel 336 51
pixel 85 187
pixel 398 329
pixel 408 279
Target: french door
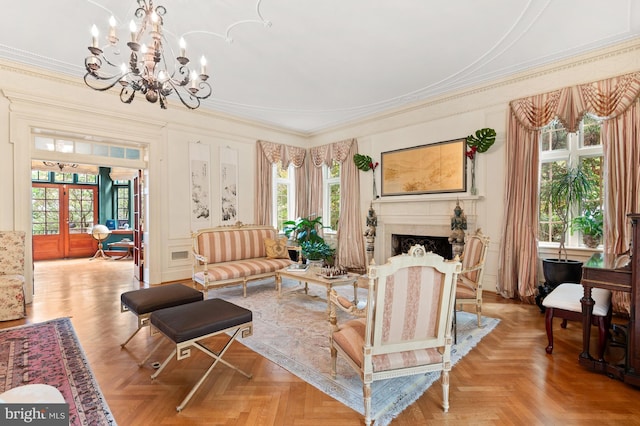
pixel 62 216
pixel 138 228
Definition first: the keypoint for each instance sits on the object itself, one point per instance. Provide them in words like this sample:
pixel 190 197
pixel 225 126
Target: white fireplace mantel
pixel 418 215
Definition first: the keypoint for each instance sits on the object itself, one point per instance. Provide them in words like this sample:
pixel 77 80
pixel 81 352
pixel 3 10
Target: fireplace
pixel 439 245
pixel 427 218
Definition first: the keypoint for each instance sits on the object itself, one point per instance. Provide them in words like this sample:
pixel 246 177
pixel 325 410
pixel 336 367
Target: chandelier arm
pixel 127 95
pixel 96 78
pixel 192 99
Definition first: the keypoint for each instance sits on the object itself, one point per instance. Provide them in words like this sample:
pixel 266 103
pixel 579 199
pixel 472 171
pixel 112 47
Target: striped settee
pixel 231 255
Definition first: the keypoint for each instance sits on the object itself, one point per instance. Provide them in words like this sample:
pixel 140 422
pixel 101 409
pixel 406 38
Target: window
pixel 81 209
pixel 46 211
pixel 40 176
pixel 59 177
pixel 331 196
pixel 85 178
pixel 63 177
pixel 70 145
pixel 121 193
pixel 283 195
pixel 560 149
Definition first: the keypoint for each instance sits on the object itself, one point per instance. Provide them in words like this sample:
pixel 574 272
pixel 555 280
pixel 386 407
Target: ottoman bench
pixel 187 325
pixel 144 301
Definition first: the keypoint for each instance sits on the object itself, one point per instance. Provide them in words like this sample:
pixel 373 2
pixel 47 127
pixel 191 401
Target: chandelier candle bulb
pixel 194 79
pixel 154 21
pixel 203 66
pixel 94 36
pixel 183 48
pixel 112 30
pixel 133 29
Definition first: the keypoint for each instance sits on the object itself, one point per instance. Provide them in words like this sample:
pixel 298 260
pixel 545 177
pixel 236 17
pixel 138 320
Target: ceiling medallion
pixel 145 70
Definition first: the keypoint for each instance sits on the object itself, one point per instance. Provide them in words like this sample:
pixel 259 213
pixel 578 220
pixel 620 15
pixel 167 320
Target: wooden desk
pixel 600 272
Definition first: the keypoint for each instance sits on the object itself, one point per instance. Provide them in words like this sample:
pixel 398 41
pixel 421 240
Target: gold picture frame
pixel 426 169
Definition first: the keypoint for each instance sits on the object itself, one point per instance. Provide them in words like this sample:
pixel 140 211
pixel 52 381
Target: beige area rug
pixel 293 332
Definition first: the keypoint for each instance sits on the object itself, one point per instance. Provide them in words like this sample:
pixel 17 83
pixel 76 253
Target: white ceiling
pixel 322 63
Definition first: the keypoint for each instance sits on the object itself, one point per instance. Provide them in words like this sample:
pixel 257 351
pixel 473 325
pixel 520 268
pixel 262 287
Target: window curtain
pixel 267 154
pixel 296 156
pixel 613 99
pixel 350 251
pixel 319 155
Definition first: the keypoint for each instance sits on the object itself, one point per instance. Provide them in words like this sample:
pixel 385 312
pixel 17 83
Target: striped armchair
pixel 12 275
pixel 469 284
pixel 407 328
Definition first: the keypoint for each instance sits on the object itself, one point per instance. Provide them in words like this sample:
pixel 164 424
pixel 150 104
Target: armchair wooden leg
pixel 334 358
pixel 445 391
pixel 366 390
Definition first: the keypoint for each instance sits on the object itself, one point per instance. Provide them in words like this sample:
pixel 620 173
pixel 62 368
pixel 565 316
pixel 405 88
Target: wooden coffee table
pixel 313 277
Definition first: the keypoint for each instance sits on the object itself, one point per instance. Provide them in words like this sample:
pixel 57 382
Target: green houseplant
pixel 590 225
pixel 304 231
pixel 568 187
pixel 317 251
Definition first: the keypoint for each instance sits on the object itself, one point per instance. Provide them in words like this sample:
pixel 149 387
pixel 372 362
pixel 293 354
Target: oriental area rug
pixel 50 353
pixel 293 332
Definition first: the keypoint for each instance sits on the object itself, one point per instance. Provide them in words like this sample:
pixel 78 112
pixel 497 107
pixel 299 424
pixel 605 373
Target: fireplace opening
pixel 439 245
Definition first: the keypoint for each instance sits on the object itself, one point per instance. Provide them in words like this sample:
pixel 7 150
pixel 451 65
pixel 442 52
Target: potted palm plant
pixel 569 185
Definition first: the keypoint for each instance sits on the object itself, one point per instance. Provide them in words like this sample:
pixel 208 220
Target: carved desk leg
pixel 587 310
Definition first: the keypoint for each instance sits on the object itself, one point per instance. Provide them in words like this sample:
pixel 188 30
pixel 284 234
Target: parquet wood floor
pixel 508 379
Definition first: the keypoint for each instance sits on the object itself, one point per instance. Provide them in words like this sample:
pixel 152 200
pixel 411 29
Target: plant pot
pixel 315 265
pixel 558 271
pixel 591 241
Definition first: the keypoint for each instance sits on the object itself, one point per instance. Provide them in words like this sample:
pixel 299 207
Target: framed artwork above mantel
pixel 425 169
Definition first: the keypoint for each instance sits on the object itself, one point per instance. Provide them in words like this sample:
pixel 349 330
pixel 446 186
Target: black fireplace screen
pixel 439 245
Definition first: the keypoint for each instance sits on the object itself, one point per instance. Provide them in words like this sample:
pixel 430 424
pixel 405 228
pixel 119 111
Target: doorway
pixel 63 214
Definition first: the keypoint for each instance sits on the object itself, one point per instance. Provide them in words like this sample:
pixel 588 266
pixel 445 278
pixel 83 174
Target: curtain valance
pixel 325 154
pixel 605 98
pixel 275 152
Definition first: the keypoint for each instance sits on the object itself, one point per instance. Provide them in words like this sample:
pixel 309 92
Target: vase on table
pixel 375 189
pixel 474 190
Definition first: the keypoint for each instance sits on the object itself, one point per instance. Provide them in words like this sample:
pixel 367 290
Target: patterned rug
pixel 50 353
pixel 293 333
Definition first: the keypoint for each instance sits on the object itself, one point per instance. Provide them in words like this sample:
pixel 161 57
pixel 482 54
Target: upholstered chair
pixel 469 283
pixel 407 326
pixel 565 302
pixel 11 275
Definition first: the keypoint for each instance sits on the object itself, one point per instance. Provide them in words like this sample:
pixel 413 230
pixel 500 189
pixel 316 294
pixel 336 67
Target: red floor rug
pixel 50 353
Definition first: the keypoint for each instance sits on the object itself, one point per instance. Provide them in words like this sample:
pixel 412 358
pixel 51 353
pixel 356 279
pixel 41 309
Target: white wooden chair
pixel 407 327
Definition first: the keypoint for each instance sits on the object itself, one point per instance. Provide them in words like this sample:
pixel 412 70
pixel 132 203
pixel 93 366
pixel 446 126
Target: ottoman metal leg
pixel 182 350
pixel 187 326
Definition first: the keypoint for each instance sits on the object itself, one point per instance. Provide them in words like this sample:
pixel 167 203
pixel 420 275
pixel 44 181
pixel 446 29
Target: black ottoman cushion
pixel 148 300
pixel 186 322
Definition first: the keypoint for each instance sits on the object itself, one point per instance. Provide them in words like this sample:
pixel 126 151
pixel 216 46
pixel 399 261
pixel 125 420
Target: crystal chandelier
pixel 146 70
